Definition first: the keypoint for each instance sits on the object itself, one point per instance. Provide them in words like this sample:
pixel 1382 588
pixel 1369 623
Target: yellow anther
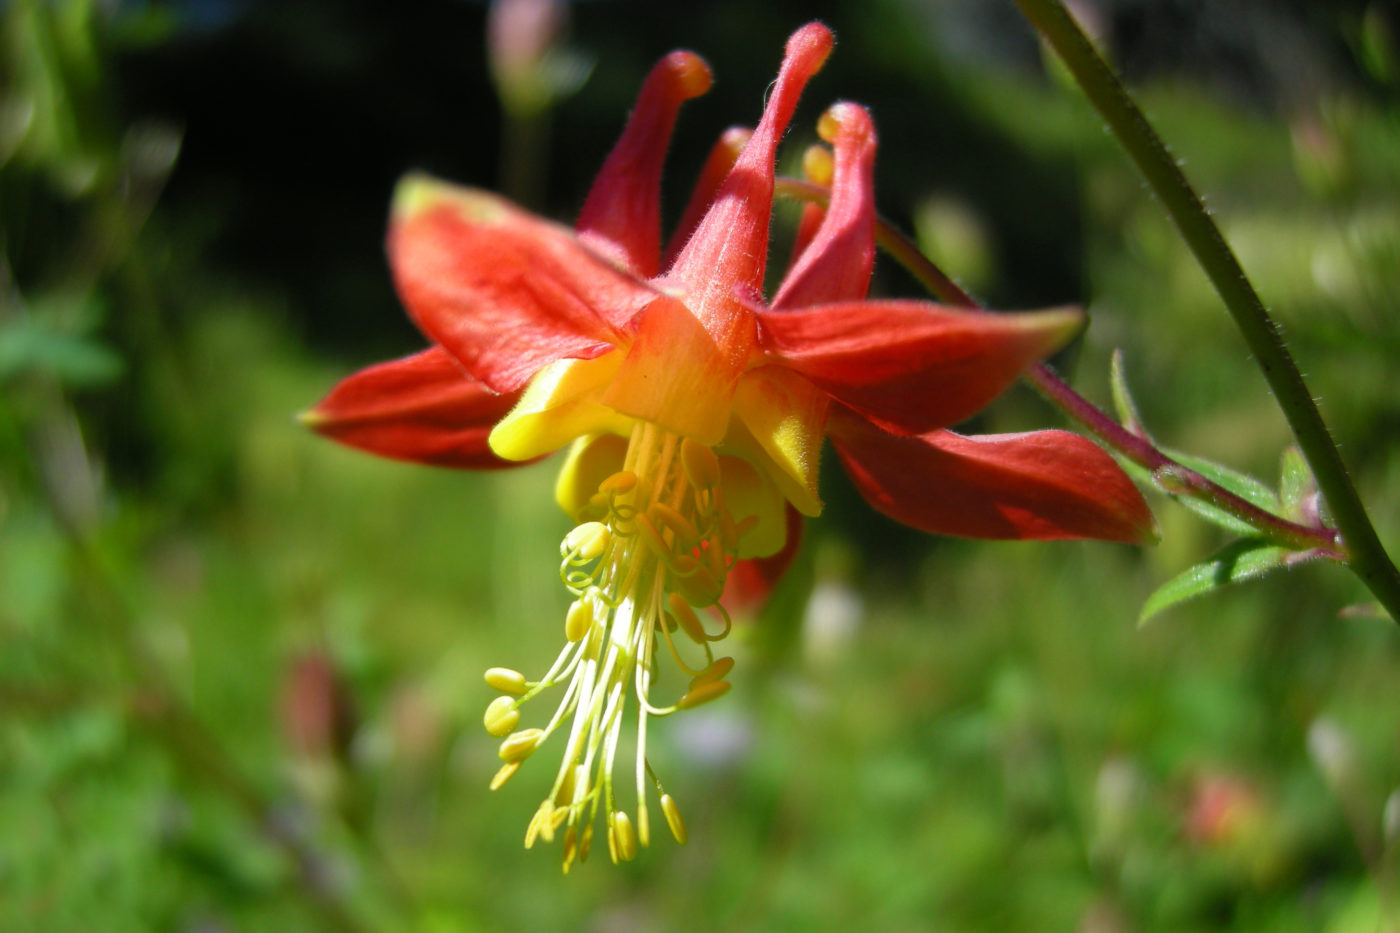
pixel 626 837
pixel 818 165
pixel 501 716
pixel 506 680
pixel 673 818
pixel 702 695
pixel 585 842
pixel 700 464
pixel 684 565
pixel 570 848
pixel 675 521
pixel 541 824
pixel 587 541
pixel 506 772
pixel 519 745
pixel 643 824
pixel 618 484
pixel 746 524
pixel 686 618
pixel 716 671
pixel 578 620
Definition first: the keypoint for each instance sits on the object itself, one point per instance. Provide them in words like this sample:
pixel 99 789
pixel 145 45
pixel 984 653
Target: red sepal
pixel 621 218
pixel 1040 485
pixel 421 408
pixel 912 366
pixel 727 255
pixel 500 289
pixel 836 264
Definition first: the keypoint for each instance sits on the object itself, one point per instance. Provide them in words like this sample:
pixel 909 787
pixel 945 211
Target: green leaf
pixel 1246 487
pixel 1122 400
pixel 1238 561
pixel 78 361
pixel 1242 485
pixel 1296 482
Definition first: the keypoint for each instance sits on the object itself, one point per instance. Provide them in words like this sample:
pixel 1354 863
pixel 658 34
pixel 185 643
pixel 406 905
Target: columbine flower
pixel 695 412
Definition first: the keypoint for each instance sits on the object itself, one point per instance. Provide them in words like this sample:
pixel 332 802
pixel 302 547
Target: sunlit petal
pixel 621 218
pixel 912 366
pixel 421 408
pixel 836 265
pixel 503 291
pixel 560 404
pixel 1042 485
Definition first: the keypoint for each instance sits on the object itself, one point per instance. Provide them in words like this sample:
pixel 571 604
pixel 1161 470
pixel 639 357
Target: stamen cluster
pixel 653 545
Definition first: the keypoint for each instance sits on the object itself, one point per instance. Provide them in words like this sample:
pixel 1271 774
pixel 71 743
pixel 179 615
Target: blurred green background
pixel 240 668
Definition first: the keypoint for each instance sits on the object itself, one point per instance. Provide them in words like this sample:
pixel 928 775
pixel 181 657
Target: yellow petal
pixel 780 420
pixel 560 404
pixel 591 460
pixel 750 492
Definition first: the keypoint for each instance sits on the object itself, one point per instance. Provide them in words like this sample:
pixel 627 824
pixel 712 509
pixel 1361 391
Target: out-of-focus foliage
pixel 240 670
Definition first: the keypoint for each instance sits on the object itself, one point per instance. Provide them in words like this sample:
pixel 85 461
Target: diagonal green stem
pixel 1365 554
pixel 1135 447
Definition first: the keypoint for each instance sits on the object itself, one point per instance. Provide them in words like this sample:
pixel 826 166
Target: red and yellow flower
pixel 694 411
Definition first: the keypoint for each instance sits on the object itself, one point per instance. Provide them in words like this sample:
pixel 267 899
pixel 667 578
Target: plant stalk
pixel 1364 552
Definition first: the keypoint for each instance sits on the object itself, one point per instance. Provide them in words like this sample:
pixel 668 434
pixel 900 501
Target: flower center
pixel 653 546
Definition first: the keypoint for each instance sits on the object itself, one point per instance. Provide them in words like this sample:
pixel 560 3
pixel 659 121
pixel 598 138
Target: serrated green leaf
pixel 1238 561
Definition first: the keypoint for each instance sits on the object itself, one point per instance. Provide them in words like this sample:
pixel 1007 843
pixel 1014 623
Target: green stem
pixel 1366 555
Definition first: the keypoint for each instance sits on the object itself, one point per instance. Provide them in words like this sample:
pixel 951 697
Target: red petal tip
pixel 690 76
pixel 811 45
pixel 843 116
pixel 833 261
pixel 621 217
pixel 730 244
pixel 421 408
